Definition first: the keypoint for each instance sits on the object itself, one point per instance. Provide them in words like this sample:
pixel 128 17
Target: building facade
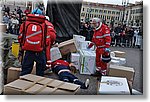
pixel 111 14
pixel 134 14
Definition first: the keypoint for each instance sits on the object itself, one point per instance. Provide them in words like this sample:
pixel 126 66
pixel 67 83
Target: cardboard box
pixel 121 71
pixel 113 86
pixel 67 47
pixel 135 92
pixel 119 54
pixel 37 85
pixel 75 59
pixel 78 39
pixel 87 61
pixel 3 27
pixel 55 54
pixel 118 61
pixel 84 44
pixel 14 73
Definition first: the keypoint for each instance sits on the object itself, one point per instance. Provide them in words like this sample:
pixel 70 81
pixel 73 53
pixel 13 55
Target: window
pixel 82 14
pixel 105 11
pixel 96 10
pixel 109 12
pixel 113 12
pixel 118 13
pixel 100 11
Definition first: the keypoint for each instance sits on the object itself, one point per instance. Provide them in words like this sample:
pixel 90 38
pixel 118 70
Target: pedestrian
pixel 135 36
pixel 3 9
pixel 64 71
pixel 14 25
pixel 35 39
pixel 118 31
pixel 7 10
pixel 19 11
pixel 5 18
pixel 27 11
pixel 102 40
pixel 130 37
pixel 112 34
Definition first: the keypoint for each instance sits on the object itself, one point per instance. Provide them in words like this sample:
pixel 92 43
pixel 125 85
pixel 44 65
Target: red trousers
pixel 102 66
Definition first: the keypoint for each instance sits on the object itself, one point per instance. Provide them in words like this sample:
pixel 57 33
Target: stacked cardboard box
pixel 87 62
pixel 119 54
pixel 118 58
pixel 3 27
pixel 113 86
pixel 37 85
pixel 122 71
pixel 14 73
pixel 55 54
pixel 78 39
pixel 75 59
pixel 67 47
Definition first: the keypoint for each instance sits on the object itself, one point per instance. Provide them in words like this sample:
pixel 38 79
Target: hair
pixel 96 20
pixel 72 68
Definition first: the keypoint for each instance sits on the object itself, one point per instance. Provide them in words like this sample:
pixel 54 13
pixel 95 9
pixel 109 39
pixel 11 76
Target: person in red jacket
pixel 36 41
pixel 64 70
pixel 101 39
pixel 51 41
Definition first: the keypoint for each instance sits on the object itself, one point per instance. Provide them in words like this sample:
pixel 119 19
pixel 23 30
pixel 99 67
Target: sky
pixel 119 2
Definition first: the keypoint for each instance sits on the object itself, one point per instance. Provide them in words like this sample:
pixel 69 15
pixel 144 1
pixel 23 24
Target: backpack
pixel 34 33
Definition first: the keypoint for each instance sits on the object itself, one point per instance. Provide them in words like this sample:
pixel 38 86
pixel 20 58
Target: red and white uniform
pixel 51 36
pixel 101 39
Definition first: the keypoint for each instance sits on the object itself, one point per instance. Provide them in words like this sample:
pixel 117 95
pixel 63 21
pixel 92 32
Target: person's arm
pixel 107 37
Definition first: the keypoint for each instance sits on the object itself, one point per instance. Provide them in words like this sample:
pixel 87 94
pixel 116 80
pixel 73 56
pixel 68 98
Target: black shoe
pixel 97 74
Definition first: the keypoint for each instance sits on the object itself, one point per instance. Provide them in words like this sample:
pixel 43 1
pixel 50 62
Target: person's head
pixel 72 68
pixel 27 8
pixel 96 22
pixel 6 14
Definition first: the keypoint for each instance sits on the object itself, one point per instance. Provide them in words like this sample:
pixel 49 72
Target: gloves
pixel 107 50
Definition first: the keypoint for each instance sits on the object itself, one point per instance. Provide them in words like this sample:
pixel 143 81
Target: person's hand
pixel 48 64
pixel 55 45
pixel 107 50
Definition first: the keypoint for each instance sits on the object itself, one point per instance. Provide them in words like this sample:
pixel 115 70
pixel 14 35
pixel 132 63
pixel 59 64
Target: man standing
pixel 35 38
pixel 118 31
pixel 101 39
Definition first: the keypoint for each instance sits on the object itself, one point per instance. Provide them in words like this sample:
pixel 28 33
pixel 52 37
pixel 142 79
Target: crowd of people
pixel 14 18
pixel 121 35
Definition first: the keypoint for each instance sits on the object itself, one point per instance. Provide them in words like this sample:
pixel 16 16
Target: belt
pixel 64 70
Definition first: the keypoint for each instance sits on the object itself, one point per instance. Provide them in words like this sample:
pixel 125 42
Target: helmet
pixel 106 58
pixel 37 11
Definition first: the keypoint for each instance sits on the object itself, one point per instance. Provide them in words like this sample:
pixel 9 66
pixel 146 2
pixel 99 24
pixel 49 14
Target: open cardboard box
pixel 67 47
pixel 34 85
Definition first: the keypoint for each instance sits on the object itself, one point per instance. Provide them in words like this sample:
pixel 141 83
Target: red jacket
pixel 51 38
pixel 101 37
pixel 60 62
